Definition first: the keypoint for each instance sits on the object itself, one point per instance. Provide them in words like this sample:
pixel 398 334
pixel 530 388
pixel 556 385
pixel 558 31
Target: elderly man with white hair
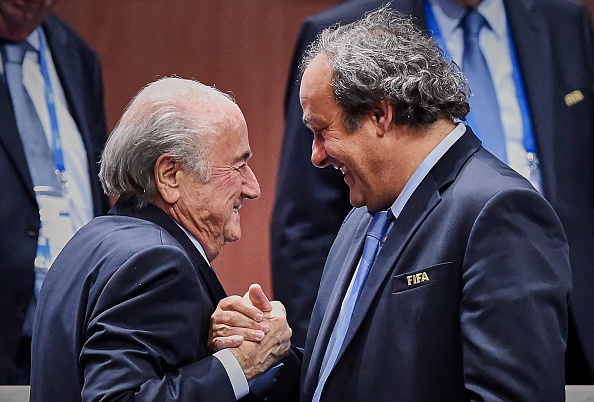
pixel 124 313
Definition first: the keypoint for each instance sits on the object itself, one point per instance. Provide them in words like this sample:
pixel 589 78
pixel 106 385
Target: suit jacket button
pixel 33 231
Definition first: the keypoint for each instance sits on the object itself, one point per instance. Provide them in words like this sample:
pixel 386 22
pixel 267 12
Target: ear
pixel 382 117
pixel 167 178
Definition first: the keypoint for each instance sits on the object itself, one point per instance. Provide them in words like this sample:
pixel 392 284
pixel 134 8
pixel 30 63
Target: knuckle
pixel 228 302
pixel 224 331
pixel 227 317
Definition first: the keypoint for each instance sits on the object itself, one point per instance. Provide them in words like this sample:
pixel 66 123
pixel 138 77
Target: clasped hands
pixel 253 328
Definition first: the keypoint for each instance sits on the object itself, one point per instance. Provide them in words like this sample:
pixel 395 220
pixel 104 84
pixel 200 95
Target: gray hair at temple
pixel 384 56
pixel 161 119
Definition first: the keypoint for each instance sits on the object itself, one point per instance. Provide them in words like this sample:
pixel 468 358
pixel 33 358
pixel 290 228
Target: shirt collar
pixel 33 39
pixel 195 242
pixel 448 15
pixel 425 167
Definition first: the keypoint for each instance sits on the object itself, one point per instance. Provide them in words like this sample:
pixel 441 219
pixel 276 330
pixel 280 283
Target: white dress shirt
pixel 75 157
pixel 495 46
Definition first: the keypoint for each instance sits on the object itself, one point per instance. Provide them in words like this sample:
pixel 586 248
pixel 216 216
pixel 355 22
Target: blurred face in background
pixel 470 4
pixel 18 18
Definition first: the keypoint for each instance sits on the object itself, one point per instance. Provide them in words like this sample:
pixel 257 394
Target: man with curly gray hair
pixel 538 56
pixel 450 278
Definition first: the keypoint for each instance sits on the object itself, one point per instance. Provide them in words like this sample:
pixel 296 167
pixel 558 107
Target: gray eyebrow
pixel 244 157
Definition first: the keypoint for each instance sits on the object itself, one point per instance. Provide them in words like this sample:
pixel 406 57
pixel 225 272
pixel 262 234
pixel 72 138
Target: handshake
pixel 253 328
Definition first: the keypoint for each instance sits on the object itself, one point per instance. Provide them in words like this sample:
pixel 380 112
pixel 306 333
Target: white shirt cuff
pixel 234 371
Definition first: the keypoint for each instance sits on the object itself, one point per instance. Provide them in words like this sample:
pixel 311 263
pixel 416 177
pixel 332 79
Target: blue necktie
pixel 37 151
pixel 483 102
pixel 375 236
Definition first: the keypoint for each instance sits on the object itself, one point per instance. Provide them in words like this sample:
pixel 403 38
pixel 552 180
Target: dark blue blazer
pixel 467 299
pixel 555 47
pixel 80 74
pixel 125 313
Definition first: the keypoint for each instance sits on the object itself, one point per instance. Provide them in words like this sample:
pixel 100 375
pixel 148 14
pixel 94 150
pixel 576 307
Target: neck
pixel 413 145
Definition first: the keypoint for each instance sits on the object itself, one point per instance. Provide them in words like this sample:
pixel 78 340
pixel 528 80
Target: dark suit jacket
pixel 555 46
pixel 125 315
pixel 486 316
pixel 79 71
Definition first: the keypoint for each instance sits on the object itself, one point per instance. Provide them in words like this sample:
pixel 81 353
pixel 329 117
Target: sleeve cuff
pixel 234 371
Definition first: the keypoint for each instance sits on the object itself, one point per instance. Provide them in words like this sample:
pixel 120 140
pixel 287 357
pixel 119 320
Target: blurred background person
pixel 52 130
pixel 531 70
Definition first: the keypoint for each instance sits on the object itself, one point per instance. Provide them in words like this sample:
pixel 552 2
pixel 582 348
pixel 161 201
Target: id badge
pixel 55 227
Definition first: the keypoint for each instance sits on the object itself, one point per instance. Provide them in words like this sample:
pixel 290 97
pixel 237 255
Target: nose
pixel 319 156
pixel 251 187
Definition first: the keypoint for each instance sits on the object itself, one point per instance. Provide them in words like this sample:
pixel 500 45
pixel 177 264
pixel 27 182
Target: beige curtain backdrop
pixel 242 46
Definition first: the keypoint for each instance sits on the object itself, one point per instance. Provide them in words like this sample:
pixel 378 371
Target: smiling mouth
pixel 236 208
pixel 341 168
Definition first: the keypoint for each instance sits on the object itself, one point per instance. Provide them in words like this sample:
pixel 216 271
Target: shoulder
pixel 558 9
pixel 59 33
pixel 343 13
pixel 484 187
pixel 126 256
pixel 487 191
pixel 123 241
pixel 483 176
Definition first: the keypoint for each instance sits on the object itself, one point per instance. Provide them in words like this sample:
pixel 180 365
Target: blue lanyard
pixel 51 108
pixel 529 142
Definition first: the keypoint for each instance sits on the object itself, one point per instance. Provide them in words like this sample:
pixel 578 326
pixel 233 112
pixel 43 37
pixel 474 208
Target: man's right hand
pixel 256 356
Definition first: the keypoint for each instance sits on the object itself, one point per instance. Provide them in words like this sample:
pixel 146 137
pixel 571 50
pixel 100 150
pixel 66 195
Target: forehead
pixel 317 78
pixel 317 93
pixel 230 133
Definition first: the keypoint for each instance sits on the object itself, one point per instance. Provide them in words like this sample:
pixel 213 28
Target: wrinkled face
pixel 210 211
pixel 18 18
pixel 353 153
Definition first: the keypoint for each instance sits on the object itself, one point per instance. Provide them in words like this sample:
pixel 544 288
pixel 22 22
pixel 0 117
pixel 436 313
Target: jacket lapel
pixel 336 279
pixel 530 34
pixel 421 203
pixel 425 198
pixel 157 216
pixel 10 138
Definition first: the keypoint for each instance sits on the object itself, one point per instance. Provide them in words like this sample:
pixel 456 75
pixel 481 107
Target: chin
pixel 355 202
pixel 232 235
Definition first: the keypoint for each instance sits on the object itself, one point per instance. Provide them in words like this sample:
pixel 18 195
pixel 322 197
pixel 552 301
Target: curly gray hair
pixel 157 121
pixel 384 56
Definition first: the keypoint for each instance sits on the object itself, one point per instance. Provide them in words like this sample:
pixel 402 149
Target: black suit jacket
pixel 467 299
pixel 80 75
pixel 555 47
pixel 125 315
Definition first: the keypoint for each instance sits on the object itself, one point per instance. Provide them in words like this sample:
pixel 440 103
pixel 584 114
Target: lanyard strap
pixel 528 133
pixel 51 107
pixel 529 141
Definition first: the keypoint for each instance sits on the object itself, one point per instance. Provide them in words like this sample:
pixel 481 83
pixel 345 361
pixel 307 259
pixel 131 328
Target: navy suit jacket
pixel 125 314
pixel 467 299
pixel 80 75
pixel 555 46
